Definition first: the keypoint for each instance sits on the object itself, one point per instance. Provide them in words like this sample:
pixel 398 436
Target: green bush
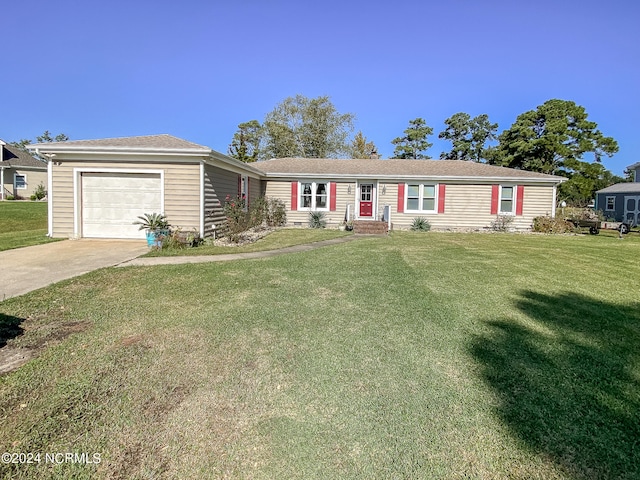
pixel 179 239
pixel 237 217
pixel 317 220
pixel 276 213
pixel 33 197
pixel 262 211
pixel 420 224
pixel 40 192
pixel 10 197
pixel 552 225
pixel 502 223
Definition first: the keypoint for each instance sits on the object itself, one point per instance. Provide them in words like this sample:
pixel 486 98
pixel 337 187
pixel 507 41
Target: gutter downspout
pixel 49 197
pixel 202 209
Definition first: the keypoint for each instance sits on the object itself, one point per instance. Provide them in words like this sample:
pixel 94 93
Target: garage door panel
pixel 111 202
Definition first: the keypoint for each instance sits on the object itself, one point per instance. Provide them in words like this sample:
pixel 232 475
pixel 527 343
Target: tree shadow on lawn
pixel 566 382
pixel 9 328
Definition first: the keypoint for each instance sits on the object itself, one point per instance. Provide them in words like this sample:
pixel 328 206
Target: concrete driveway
pixel 29 268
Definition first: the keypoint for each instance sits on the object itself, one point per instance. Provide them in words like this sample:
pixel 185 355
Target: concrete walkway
pixel 236 256
pixel 29 268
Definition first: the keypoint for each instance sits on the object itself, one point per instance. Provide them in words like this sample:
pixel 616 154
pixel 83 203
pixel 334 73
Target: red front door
pixel 366 200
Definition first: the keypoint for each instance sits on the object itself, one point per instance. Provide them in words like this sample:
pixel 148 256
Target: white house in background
pixel 20 173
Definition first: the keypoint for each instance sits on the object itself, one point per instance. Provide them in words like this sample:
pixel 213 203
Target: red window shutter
pixel 294 196
pixel 401 198
pixel 332 196
pixel 495 193
pixel 519 199
pixel 441 192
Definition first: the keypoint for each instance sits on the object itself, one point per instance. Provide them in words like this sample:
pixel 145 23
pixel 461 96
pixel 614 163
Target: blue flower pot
pixel 155 238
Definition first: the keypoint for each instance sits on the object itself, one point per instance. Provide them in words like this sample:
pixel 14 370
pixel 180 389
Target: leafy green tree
pixel 245 145
pixel 414 142
pixel 361 148
pixel 468 136
pixel 549 138
pixel 585 178
pixel 308 128
pixel 44 138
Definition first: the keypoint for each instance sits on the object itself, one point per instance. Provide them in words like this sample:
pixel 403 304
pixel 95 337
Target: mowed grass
pixel 23 224
pixel 414 356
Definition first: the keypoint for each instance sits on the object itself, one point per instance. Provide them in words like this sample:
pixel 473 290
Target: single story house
pixel 20 173
pixel 97 188
pixel 450 194
pixel 621 201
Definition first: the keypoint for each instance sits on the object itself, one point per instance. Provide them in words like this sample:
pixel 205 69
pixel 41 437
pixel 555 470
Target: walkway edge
pixel 180 260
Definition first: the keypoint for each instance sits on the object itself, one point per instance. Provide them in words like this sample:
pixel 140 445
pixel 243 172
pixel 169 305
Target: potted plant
pixel 349 226
pixel 157 228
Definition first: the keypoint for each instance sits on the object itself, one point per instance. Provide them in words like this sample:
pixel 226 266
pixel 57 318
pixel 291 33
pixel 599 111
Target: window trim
pixel 514 199
pixel 15 184
pixel 314 195
pixel 606 203
pixel 436 191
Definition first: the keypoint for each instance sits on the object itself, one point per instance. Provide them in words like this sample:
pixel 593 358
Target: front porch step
pixel 370 227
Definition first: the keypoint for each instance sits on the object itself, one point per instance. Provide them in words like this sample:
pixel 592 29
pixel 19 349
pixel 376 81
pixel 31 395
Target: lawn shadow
pixel 9 328
pixel 566 382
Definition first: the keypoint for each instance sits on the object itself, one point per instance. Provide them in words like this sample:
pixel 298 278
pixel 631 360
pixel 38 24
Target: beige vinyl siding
pixel 61 199
pixel 282 190
pixel 467 206
pixel 218 183
pixel 538 201
pixel 181 192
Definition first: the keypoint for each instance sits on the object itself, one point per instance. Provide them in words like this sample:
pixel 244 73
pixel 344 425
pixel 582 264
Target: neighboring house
pixel 450 194
pixel 97 188
pixel 621 201
pixel 20 173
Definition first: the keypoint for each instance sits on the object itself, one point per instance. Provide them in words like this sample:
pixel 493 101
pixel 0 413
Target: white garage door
pixel 111 202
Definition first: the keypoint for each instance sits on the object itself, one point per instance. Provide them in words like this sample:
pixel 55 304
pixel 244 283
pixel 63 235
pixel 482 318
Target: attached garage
pixel 112 201
pixel 98 188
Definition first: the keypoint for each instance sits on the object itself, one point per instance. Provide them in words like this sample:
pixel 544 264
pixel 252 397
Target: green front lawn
pixel 414 356
pixel 23 224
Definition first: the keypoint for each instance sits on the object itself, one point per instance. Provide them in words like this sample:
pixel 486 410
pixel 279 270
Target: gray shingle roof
pixel 14 157
pixel 625 187
pixel 150 142
pixel 394 168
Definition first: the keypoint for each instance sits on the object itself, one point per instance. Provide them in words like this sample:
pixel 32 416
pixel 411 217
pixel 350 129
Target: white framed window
pixel 421 197
pixel 19 181
pixel 611 203
pixel 507 200
pixel 313 195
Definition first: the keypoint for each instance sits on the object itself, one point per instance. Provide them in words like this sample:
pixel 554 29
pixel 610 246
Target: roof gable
pixel 162 142
pixel 15 157
pixel 624 187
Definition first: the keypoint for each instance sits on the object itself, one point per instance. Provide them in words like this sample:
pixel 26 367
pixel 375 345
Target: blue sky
pixel 196 69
